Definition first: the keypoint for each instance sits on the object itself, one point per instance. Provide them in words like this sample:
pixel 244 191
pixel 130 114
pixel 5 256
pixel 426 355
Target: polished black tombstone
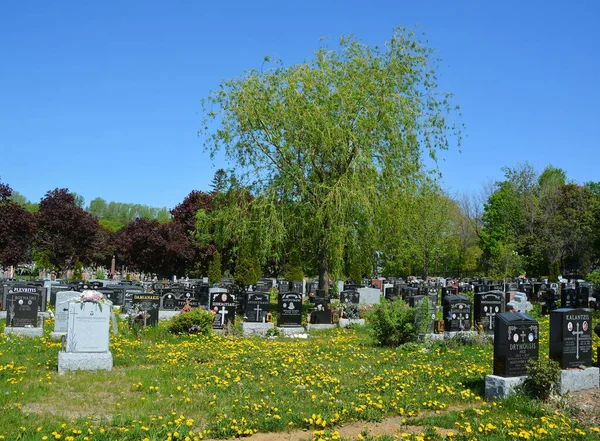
pixel 350 297
pixel 149 303
pixel 257 306
pixel 168 302
pixel 571 337
pixel 128 297
pixel 53 290
pixel 223 305
pixel 516 342
pixel 30 288
pixel 550 297
pixel 22 309
pixel 487 305
pixel 568 298
pixel 320 314
pixel 289 309
pixel 457 313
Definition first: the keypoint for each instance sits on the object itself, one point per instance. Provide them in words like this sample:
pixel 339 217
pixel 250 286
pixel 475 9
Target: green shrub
pixel 423 316
pixel 542 377
pixel 393 323
pixel 197 321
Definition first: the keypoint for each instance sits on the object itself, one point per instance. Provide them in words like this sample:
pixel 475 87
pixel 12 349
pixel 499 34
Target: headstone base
pixel 291 330
pixel 25 332
pixel 57 335
pixel 431 337
pixel 256 328
pixel 497 387
pixel 166 315
pixel 319 326
pixel 345 322
pixel 2 314
pixel 84 361
pixel 573 380
pixel 466 335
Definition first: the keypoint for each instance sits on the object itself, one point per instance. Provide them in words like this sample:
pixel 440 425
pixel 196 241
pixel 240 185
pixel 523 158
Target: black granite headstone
pixel 289 309
pixel 150 303
pixel 258 305
pixel 350 297
pixel 487 305
pixel 568 299
pixel 457 313
pixel 516 341
pixel 22 310
pixel 571 337
pixel 168 302
pixel 321 312
pixel 223 306
pixel 53 290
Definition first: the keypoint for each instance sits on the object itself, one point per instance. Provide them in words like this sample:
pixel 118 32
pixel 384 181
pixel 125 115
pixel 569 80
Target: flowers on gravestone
pixel 136 318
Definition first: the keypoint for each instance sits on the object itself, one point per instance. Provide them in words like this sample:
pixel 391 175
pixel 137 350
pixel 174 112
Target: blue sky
pixel 104 97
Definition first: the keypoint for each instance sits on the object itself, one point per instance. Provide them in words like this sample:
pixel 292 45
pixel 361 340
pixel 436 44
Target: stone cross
pixel 577 334
pixel 258 311
pixel 223 311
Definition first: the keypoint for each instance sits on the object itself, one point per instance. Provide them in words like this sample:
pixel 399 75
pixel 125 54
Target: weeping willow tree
pixel 320 144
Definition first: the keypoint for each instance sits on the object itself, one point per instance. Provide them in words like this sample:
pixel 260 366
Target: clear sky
pixel 103 97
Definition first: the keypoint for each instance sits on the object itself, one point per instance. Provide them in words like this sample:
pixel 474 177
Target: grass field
pixel 166 387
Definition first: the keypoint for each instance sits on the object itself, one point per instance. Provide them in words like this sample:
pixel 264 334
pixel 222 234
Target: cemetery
pixel 328 284
pixel 247 345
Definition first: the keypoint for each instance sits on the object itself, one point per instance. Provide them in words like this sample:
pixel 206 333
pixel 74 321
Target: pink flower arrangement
pixel 92 296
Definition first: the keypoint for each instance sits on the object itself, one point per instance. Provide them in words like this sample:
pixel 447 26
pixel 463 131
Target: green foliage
pixel 594 277
pixel 393 323
pixel 247 267
pixel 543 375
pixel 325 144
pixel 100 274
pixel 197 321
pixel 554 272
pixel 115 215
pixel 77 270
pixel 214 268
pixel 423 316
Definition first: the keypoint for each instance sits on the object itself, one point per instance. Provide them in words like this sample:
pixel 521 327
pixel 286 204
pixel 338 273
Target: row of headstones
pixel 516 340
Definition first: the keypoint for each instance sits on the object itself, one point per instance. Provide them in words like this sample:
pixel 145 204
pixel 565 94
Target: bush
pixel 197 321
pixel 393 323
pixel 542 377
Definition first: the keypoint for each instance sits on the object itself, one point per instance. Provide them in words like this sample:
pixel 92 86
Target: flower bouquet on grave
pixel 136 318
pixel 91 296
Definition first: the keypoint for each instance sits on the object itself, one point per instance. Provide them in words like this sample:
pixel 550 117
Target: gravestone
pixel 350 297
pixel 516 341
pixel 520 303
pixel 150 303
pixel 571 337
pixel 568 299
pixel 258 305
pixel 550 298
pixel 289 309
pixel 487 305
pixel 223 306
pixel 597 331
pixel 128 298
pixel 168 302
pixel 30 289
pixel 457 313
pixel 117 296
pixel 321 312
pixel 87 329
pixel 87 343
pixel 54 289
pixel 22 310
pixel 61 316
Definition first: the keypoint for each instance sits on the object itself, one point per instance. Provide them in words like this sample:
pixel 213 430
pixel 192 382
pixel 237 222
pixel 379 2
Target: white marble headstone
pixel 88 327
pixel 61 317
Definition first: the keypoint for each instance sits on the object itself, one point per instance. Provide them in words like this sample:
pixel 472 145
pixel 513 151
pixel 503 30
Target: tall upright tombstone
pixel 61 316
pixel 350 297
pixel 87 344
pixel 258 305
pixel 568 298
pixel 457 313
pixel 516 342
pixel 22 314
pixel 148 302
pixel 487 305
pixel 223 306
pixel 571 337
pixel 321 312
pixel 289 309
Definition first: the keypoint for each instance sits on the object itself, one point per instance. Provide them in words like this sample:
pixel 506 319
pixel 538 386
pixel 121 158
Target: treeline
pixel 537 224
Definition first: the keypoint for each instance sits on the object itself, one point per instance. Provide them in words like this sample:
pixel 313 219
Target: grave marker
pixel 571 337
pixel 289 309
pixel 516 341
